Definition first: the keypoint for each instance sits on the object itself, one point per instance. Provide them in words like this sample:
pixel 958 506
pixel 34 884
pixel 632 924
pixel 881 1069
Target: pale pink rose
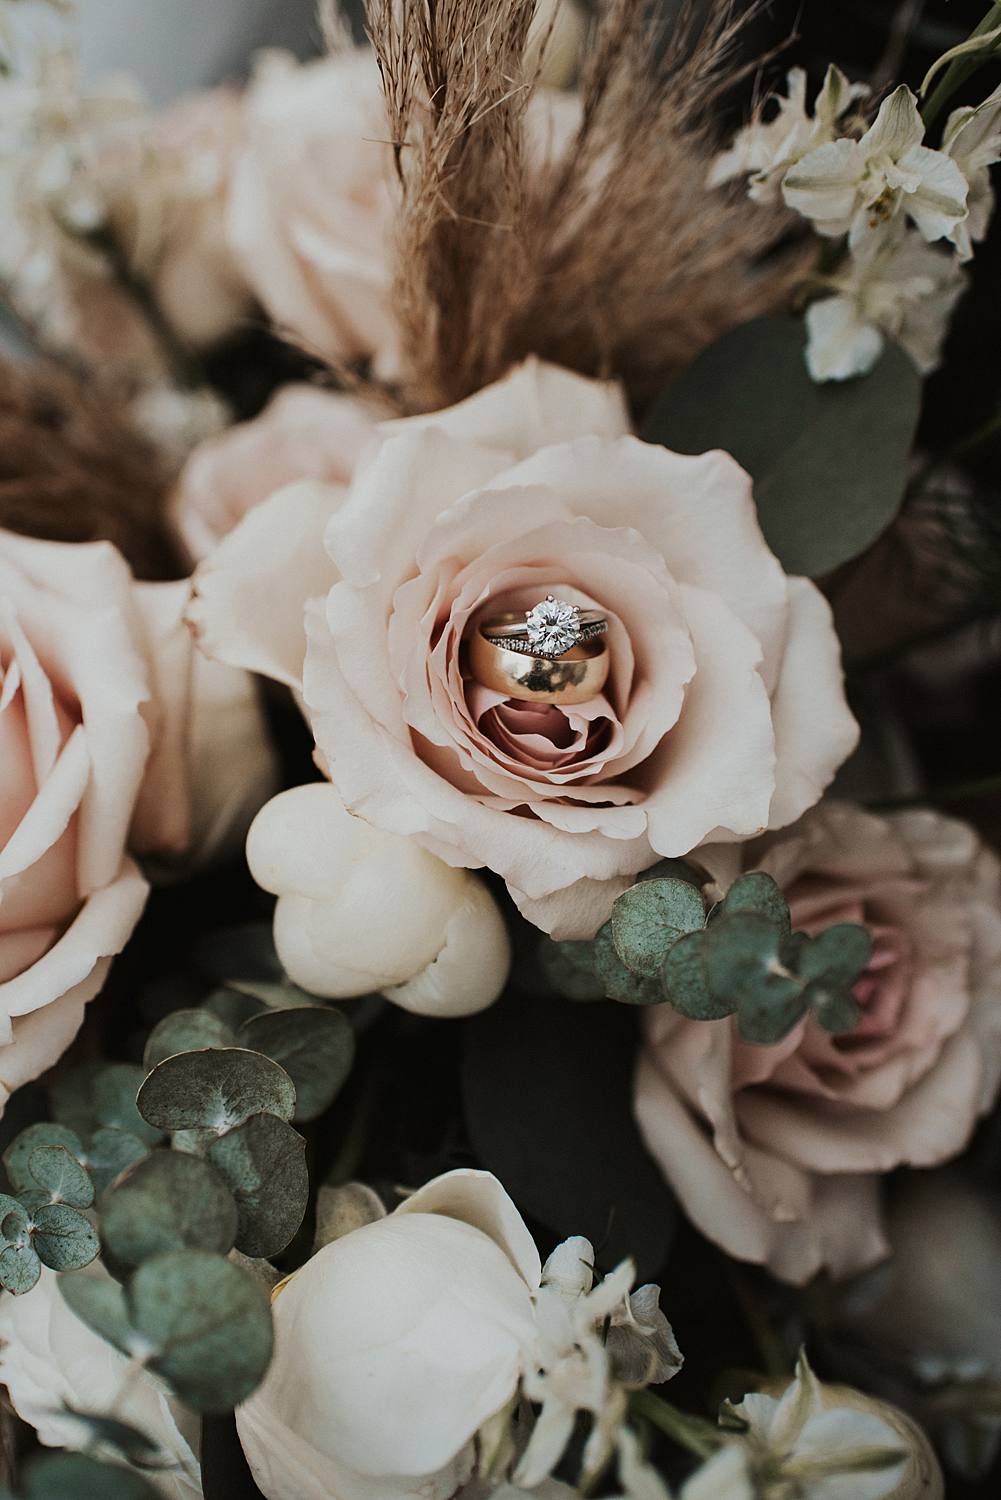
pixel 305 433
pixel 94 671
pixel 776 1152
pixel 311 201
pixel 724 714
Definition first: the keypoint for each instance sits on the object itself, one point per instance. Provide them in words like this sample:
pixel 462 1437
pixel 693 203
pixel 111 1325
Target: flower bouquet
pixel 499 536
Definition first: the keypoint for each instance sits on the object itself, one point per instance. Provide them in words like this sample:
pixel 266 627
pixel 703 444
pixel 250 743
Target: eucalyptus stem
pixel 773 1353
pixel 693 1433
pixel 958 71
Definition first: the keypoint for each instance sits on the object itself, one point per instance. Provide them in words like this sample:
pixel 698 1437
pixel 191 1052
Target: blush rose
pixel 776 1152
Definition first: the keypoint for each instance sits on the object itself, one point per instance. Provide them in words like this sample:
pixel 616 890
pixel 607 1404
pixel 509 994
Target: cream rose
pixel 426 1315
pixel 724 714
pixel 50 1360
pixel 310 204
pixel 776 1152
pixel 98 734
pixel 304 433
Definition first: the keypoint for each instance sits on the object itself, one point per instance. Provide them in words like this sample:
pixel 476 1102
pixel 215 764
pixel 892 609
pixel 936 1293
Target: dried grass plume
pixel 614 259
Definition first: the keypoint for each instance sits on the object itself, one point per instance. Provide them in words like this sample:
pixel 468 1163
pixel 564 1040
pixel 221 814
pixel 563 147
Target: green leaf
pixel 185 1031
pixel 79 1476
pixel 72 1095
pixel 649 917
pixel 677 869
pixel 114 1089
pixel 233 1008
pixel 62 1238
pixel 314 1044
pixel 100 1303
pixel 758 892
pixel 548 1102
pixel 209 1324
pixel 829 462
pixel 169 1201
pixel 215 1090
pixel 110 1152
pixel 568 967
pixel 20 1266
pixel 109 1432
pixel 18 1154
pixel 836 1008
pixel 837 955
pixel 61 1176
pixel 618 982
pixel 745 964
pixel 263 1162
pixel 684 981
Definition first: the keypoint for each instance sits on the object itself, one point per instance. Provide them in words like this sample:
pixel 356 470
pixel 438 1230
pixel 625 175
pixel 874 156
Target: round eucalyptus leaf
pixel 80 1476
pixel 568 967
pixel 72 1096
pixel 244 952
pixel 744 964
pixel 649 917
pixel 61 1176
pixel 20 1267
pixel 168 1201
pixel 208 1322
pixel 232 1007
pixel 110 1152
pixel 18 1153
pixel 100 1303
pixel 836 1008
pixel 115 1088
pixel 185 1031
pixel 62 1238
pixel 215 1089
pixel 678 869
pixel 759 893
pixel 685 984
pixel 314 1044
pixel 263 1162
pixel 619 982
pixel 837 955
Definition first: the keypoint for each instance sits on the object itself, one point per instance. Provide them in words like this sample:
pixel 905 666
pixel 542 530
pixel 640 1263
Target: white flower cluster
pixel 908 215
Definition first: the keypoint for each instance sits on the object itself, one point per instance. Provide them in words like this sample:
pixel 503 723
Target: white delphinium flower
pixel 857 187
pixel 578 1368
pixel 896 286
pixel 972 138
pixel 765 149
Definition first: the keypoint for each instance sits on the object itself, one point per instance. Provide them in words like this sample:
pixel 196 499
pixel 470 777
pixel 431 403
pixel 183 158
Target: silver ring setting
pixel 550 629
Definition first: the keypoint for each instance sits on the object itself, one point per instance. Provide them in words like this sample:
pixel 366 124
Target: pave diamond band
pixel 550 629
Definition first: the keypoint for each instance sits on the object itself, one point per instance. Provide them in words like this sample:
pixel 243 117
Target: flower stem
pixel 959 70
pixel 693 1433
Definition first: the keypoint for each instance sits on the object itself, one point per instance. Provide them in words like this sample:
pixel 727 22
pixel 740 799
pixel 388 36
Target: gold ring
pixel 575 677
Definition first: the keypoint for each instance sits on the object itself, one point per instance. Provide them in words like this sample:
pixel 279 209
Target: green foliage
pixel 263 1161
pixel 61 1176
pixel 198 1320
pixel 314 1044
pixel 111 1152
pixel 43 1225
pixel 214 1090
pixel 169 1201
pixel 185 1031
pixel 113 1090
pixel 740 958
pixel 80 1476
pixel 829 462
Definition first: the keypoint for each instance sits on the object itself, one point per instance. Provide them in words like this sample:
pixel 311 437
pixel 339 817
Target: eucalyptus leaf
pixel 61 1176
pixel 618 982
pixel 109 1432
pixel 62 1238
pixel 114 1089
pixel 684 981
pixel 548 1103
pixel 568 967
pixel 314 1044
pixel 168 1201
pixel 829 462
pixel 186 1031
pixel 649 917
pixel 208 1322
pixel 20 1266
pixel 758 892
pixel 837 955
pixel 836 1008
pixel 80 1476
pixel 110 1152
pixel 233 1008
pixel 72 1096
pixel 745 964
pixel 18 1154
pixel 215 1090
pixel 263 1162
pixel 100 1303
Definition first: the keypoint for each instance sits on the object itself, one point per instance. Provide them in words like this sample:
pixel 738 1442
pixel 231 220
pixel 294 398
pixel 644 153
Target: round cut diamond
pixel 553 626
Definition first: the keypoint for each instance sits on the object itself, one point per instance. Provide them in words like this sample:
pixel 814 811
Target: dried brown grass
pixel 614 258
pixel 72 470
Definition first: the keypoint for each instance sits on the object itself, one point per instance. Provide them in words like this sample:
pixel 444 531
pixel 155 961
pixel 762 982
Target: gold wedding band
pixel 575 677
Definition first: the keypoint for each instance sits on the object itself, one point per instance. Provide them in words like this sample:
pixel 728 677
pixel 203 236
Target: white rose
pixel 50 1359
pixel 360 910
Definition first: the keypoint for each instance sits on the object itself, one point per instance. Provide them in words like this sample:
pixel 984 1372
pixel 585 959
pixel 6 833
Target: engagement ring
pixel 550 630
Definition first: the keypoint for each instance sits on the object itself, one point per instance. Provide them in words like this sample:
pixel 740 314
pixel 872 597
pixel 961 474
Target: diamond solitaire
pixel 550 629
